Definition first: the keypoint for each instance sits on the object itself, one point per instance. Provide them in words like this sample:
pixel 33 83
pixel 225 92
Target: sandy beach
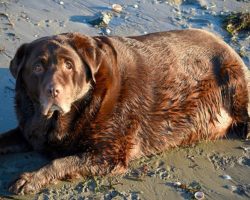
pixel 220 169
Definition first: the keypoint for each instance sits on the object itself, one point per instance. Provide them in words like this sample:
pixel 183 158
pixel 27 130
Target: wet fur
pixel 146 94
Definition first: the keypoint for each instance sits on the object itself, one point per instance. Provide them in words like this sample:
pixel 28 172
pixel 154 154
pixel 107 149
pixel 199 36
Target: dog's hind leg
pixel 235 95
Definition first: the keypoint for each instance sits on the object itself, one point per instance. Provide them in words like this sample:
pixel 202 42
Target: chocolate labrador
pixel 97 103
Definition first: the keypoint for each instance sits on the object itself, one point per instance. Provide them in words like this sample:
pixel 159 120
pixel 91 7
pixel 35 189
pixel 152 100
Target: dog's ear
pixel 89 51
pixel 18 61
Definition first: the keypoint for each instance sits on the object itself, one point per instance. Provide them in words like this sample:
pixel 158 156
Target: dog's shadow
pixel 7 91
pixel 82 19
pixel 13 165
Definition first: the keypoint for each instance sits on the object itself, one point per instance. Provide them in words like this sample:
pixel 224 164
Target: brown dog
pixel 100 102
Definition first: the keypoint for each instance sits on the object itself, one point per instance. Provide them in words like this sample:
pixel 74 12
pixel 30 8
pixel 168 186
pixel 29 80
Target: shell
pixel 226 177
pixel 199 195
pixel 177 184
pixel 117 8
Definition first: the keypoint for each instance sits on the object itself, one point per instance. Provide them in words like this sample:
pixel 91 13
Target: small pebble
pixel 226 177
pixel 135 6
pixel 231 188
pixel 213 6
pixel 61 24
pixel 205 7
pixel 177 184
pixel 213 13
pixel 163 175
pixel 61 3
pixel 134 196
pixel 246 148
pixel 151 174
pixel 107 31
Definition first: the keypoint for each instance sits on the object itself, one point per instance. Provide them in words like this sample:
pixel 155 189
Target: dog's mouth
pixel 54 108
pixel 50 108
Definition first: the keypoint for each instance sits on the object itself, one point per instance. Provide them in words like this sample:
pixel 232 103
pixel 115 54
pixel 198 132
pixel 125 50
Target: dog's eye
pixel 68 65
pixel 38 68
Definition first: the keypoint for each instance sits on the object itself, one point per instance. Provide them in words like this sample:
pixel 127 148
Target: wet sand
pixel 175 174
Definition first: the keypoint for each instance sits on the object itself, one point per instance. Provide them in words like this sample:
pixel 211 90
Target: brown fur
pixel 127 97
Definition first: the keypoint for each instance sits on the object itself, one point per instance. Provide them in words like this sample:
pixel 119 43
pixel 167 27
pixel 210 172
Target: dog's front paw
pixel 27 183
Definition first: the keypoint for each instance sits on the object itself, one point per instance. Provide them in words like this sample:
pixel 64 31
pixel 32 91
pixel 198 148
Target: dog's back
pixel 184 86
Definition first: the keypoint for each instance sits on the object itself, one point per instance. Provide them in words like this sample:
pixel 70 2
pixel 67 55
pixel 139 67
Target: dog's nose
pixel 53 91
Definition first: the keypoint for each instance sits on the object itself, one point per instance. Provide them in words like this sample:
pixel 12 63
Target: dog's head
pixel 56 71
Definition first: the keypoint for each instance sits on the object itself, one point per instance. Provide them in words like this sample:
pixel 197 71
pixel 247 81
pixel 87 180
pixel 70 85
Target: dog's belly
pixel 176 133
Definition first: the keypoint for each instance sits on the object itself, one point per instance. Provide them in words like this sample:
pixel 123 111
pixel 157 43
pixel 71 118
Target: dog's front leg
pixel 13 142
pixel 63 168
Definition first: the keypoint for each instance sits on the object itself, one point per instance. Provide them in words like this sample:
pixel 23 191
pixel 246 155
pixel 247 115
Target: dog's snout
pixel 53 91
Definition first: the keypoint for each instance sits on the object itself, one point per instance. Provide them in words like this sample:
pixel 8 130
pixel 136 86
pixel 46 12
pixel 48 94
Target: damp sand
pixel 219 169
